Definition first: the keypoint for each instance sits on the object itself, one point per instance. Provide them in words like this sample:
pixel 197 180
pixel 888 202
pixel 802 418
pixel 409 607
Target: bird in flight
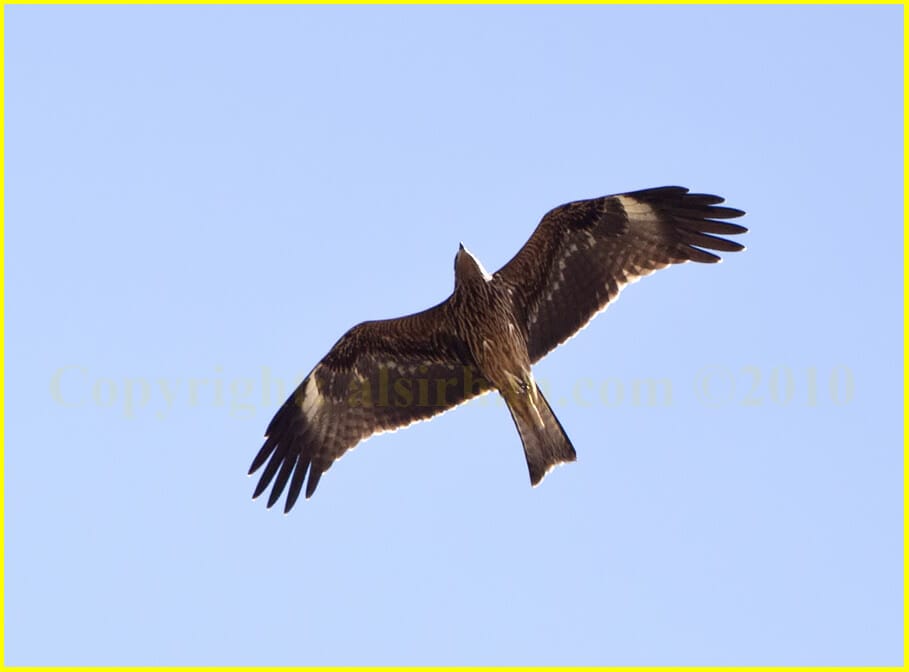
pixel 386 374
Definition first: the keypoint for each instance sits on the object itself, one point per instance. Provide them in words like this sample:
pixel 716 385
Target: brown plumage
pixel 387 374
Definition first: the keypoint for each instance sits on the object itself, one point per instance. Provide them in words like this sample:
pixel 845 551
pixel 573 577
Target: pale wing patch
pixel 642 218
pixel 635 208
pixel 312 398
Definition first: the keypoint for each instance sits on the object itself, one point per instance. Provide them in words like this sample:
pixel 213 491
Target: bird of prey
pixel 386 374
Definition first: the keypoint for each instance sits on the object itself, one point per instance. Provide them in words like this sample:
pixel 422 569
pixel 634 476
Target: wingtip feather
pixel 264 453
pixel 315 474
pixel 296 484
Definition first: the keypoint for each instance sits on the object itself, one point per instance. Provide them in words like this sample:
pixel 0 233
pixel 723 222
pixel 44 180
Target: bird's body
pixel 497 342
pixel 491 331
pixel 387 374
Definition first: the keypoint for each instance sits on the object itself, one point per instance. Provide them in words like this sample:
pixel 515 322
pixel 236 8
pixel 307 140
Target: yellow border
pixel 904 321
pixel 286 2
pixel 3 333
pixel 450 2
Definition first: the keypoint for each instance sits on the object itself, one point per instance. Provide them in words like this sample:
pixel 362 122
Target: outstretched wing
pixel 584 252
pixel 378 377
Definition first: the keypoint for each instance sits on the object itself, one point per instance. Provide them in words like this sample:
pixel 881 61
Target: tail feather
pixel 545 442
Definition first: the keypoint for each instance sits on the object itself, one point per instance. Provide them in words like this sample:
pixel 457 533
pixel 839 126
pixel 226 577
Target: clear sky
pixel 200 201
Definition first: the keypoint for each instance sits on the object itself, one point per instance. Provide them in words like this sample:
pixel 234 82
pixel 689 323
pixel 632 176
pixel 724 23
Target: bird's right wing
pixel 583 253
pixel 379 376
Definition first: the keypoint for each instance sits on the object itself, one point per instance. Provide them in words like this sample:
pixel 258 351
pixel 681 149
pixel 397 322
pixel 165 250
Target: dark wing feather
pixel 584 252
pixel 379 376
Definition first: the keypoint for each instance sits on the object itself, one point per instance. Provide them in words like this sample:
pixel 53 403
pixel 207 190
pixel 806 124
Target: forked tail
pixel 545 442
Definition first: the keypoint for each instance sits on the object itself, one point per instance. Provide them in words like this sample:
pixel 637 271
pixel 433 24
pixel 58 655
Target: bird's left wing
pixel 583 253
pixel 379 376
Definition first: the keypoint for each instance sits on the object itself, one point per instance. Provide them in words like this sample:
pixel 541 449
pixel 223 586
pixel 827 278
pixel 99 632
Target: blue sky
pixel 201 200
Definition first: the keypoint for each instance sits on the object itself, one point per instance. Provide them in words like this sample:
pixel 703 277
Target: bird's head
pixel 467 268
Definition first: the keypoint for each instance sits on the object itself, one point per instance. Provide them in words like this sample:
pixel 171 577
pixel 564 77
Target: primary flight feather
pixel 386 374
